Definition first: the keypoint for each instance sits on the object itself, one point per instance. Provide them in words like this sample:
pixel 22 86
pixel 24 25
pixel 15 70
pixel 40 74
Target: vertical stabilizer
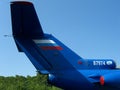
pixel 25 22
pixel 44 50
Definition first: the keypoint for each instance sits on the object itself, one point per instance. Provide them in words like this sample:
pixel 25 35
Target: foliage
pixel 38 82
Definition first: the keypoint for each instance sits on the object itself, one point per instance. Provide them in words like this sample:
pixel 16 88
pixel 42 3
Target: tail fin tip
pixel 25 21
pixel 22 2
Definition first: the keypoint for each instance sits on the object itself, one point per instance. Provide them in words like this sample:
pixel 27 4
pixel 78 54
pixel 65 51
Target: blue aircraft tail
pixel 45 52
pixel 24 20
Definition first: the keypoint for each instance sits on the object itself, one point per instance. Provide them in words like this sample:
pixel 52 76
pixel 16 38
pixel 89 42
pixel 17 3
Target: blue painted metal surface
pixel 64 67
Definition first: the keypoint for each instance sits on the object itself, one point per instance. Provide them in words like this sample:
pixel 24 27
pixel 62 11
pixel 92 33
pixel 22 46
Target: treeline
pixel 38 82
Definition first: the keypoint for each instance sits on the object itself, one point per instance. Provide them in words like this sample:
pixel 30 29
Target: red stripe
pixel 102 82
pixel 51 47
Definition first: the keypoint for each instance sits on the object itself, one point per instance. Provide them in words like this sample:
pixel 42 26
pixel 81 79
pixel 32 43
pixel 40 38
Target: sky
pixel 91 28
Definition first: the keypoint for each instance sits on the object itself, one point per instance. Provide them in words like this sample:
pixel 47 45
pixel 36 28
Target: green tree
pixel 38 82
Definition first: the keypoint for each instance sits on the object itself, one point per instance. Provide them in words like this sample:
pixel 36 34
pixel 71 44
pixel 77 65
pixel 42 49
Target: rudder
pixel 25 22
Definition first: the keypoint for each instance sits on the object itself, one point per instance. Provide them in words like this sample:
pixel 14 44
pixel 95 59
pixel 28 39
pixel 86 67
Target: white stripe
pixel 44 41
